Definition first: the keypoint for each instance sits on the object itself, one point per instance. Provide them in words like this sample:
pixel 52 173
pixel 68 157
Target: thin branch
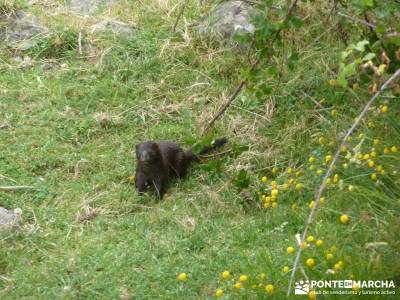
pixel 16 188
pixel 329 171
pixel 370 25
pixel 179 16
pixel 80 42
pixel 242 83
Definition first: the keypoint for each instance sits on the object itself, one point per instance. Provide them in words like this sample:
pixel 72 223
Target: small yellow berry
pixel 322 200
pixel 182 276
pixel 361 135
pixel 298 173
pixel 373 154
pixel 379 168
pixel 274 170
pixel 238 285
pixel 371 163
pixel 351 188
pixel 132 178
pixel 385 109
pixel 333 112
pixel 386 150
pixel 264 179
pixel 310 262
pixel 343 149
pixel 243 278
pixel 329 256
pixel 299 186
pixel 370 124
pixel 285 186
pixel 312 295
pixel 374 177
pixel 285 269
pixel 376 141
pixel 311 159
pixel 219 293
pixel 336 178
pixel 345 166
pixel 328 181
pixel 340 263
pixel 366 156
pixel 226 275
pixel 328 158
pixel 320 171
pixel 290 249
pixel 289 170
pixel 269 288
pixel 311 204
pixel 262 276
pixel 312 167
pixel 344 219
pixel 337 267
pixel 267 204
pixel 274 204
pixel 321 140
pixel 274 184
pixel 274 193
pixel 360 156
pixel 294 206
pixel 310 239
pixel 394 149
pixel 319 243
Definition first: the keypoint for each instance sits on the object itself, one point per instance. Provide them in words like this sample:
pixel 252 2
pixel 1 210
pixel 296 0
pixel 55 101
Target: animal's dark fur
pixel 157 161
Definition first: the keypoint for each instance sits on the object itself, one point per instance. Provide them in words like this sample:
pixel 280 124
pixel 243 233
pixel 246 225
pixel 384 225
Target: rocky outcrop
pixel 116 27
pixel 19 25
pixel 88 6
pixel 227 19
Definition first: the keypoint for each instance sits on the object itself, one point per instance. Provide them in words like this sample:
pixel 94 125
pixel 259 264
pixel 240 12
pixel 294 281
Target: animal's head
pixel 147 152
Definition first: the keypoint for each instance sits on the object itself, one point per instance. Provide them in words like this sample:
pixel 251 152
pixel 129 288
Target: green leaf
pixel 368 3
pixel 242 180
pixel 360 46
pixel 369 56
pixel 296 21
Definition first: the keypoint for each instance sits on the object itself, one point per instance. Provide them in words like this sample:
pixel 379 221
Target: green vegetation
pixel 69 123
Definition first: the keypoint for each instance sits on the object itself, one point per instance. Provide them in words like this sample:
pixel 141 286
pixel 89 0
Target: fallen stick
pixel 16 188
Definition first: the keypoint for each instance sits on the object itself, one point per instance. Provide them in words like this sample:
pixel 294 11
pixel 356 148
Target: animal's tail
pixel 190 156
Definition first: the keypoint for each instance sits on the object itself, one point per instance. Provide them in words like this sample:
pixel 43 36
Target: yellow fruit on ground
pixel 365 156
pixel 333 112
pixel 394 149
pixel 226 275
pixel 298 173
pixel 294 206
pixel 311 205
pixel 345 166
pixel 386 150
pixel 274 170
pixel 322 200
pixel 336 178
pixel 310 239
pixel 376 141
pixel 379 168
pixel 312 295
pixel 264 179
pixel 269 288
pixel 337 267
pixel 285 186
pixel 374 177
pixel 274 192
pixel 289 170
pixel 351 188
pixel 285 269
pixel 373 154
pixel 319 243
pixel 182 276
pixel 371 164
pixel 329 256
pixel 321 140
pixel 343 149
pixel 312 167
pixel 299 186
pixel 274 204
pixel 219 293
pixel 132 178
pixel 267 204
pixel 385 109
pixel 243 278
pixel 274 184
pixel 310 262
pixel 344 219
pixel 290 249
pixel 328 158
pixel 311 159
pixel 262 276
pixel 237 285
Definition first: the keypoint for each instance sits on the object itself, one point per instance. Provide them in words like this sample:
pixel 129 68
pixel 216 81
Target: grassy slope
pixel 160 86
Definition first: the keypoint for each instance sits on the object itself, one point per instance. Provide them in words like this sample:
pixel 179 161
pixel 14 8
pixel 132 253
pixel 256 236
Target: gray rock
pixel 19 25
pixel 88 7
pixel 227 19
pixel 116 27
pixel 9 218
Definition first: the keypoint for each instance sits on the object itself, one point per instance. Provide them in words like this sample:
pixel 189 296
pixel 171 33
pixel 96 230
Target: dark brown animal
pixel 157 161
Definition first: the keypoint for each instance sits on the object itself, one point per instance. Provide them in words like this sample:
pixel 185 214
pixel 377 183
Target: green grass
pixel 86 234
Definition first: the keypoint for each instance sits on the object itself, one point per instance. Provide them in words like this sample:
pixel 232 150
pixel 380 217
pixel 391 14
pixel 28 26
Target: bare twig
pixel 179 16
pixel 80 42
pixel 370 25
pixel 15 188
pixel 243 82
pixel 329 171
